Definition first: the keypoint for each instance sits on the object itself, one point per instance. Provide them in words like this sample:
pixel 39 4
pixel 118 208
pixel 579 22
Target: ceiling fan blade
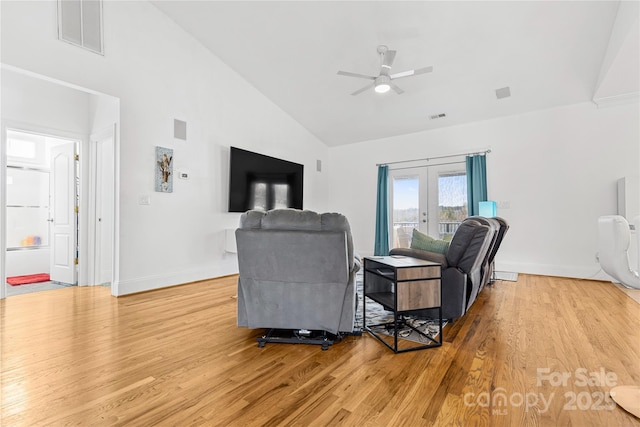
pixel 362 76
pixel 423 70
pixel 359 91
pixel 396 88
pixel 411 72
pixel 387 60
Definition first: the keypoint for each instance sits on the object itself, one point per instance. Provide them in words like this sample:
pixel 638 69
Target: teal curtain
pixel 381 247
pixel 476 183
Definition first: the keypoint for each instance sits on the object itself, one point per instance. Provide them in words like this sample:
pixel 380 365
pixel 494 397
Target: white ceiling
pixel 549 53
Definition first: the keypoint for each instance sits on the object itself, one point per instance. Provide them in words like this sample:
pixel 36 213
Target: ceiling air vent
pixel 438 116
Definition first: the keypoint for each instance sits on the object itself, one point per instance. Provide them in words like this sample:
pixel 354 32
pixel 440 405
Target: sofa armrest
pixel 454 293
pixel 421 254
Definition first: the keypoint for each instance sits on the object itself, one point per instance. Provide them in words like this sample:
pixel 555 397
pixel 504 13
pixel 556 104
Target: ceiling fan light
pixel 382 88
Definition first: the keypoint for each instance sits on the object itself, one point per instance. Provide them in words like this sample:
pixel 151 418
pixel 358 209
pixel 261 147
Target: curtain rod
pixel 426 159
pixel 427 166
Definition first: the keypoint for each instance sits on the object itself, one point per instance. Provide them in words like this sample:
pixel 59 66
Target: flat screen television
pixel 261 182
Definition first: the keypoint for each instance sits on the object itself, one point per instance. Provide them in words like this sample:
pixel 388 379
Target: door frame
pixel 109 131
pixel 81 142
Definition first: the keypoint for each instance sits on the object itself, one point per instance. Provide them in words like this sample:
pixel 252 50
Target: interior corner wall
pixel 160 73
pixel 556 169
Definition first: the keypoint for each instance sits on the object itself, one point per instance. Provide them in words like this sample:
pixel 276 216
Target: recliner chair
pixel 461 266
pixel 613 244
pixel 297 272
pixel 499 228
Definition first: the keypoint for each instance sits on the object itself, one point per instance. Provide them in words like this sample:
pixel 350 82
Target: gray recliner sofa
pixel 297 271
pixel 462 266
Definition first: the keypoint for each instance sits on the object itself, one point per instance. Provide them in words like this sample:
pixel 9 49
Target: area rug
pixel 376 314
pixel 29 278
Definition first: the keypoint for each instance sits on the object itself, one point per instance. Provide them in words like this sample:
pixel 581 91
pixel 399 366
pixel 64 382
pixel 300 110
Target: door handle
pixel 50 220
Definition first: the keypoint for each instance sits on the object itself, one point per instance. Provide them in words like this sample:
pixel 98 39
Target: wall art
pixel 164 170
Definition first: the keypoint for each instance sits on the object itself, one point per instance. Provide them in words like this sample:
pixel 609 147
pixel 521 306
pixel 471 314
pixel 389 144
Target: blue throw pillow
pixel 426 243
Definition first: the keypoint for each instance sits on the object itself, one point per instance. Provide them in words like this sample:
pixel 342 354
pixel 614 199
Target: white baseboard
pixel 574 271
pixel 148 283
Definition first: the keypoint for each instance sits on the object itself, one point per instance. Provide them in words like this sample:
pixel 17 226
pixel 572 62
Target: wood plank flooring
pixel 78 356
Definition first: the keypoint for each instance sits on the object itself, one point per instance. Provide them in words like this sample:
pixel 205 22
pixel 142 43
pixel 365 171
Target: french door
pixel 431 199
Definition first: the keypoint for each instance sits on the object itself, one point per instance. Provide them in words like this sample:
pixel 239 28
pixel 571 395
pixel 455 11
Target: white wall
pixel 557 169
pixel 29 101
pixel 159 73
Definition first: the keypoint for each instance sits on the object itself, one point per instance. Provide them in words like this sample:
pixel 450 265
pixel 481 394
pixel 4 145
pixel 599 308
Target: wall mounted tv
pixel 261 182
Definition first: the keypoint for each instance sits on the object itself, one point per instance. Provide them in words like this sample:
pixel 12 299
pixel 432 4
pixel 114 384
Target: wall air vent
pixel 504 92
pixel 438 116
pixel 80 23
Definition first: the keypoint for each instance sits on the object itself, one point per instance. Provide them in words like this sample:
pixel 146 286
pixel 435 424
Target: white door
pixel 104 194
pixel 63 215
pixel 431 199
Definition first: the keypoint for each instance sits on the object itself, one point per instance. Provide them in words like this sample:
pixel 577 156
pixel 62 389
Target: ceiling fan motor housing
pixel 382 83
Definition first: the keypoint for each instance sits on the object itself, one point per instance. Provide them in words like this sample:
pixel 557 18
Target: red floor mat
pixel 30 278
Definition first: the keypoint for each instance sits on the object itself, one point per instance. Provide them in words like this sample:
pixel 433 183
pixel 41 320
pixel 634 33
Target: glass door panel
pixel 27 207
pixel 452 202
pixel 405 212
pixel 431 199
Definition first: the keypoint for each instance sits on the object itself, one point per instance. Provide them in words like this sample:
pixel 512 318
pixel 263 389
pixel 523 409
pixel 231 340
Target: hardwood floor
pixel 175 357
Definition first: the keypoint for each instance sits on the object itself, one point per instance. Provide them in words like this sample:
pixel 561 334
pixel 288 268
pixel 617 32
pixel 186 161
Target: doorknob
pixel 424 220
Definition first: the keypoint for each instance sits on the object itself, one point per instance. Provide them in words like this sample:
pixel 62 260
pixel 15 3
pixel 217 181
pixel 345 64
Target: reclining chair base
pixel 302 336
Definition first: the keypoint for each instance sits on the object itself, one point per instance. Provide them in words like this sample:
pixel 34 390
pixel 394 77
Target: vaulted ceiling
pixel 548 53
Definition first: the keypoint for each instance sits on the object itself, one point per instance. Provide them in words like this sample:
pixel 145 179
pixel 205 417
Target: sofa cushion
pixel 479 243
pixel 291 219
pixel 251 219
pixel 427 243
pixel 294 219
pixel 461 240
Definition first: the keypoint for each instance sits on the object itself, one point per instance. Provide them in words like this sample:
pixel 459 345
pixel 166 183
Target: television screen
pixel 261 182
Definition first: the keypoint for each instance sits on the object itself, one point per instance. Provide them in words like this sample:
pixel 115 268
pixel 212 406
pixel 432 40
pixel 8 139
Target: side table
pixel 402 285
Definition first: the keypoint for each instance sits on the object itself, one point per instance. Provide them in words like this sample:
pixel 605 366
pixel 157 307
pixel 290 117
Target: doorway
pixel 41 105
pixel 431 199
pixel 42 196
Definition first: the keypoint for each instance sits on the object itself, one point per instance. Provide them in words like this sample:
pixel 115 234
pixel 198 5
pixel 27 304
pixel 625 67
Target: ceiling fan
pixel 384 81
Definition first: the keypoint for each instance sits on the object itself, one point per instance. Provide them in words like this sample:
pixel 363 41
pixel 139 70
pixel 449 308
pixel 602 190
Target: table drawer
pixel 430 272
pixel 418 294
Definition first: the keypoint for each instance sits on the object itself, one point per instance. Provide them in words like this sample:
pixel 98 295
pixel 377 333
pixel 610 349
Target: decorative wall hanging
pixel 164 170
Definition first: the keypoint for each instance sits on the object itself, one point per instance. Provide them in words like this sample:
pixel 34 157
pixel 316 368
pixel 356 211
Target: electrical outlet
pixel 144 200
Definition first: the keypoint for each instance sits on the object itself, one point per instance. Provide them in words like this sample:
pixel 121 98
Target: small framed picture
pixel 164 170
